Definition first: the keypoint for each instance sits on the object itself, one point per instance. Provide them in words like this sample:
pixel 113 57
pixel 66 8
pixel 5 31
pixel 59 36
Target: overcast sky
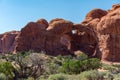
pixel 15 14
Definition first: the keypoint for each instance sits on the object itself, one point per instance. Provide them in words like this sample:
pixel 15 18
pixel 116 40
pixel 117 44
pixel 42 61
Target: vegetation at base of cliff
pixel 39 66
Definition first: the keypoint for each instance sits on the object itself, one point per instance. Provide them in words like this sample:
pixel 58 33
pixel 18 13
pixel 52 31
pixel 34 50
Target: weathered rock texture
pixel 8 41
pixel 109 35
pixel 83 39
pixel 98 36
pixel 52 39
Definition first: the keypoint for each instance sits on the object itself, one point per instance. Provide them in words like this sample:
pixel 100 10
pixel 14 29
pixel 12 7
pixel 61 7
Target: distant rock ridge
pixel 97 36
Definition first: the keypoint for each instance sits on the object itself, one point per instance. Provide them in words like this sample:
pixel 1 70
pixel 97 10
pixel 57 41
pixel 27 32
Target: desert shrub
pixel 94 63
pixel 90 63
pixel 52 65
pixel 105 66
pixel 116 76
pixel 30 78
pixel 110 68
pixel 76 66
pixel 51 68
pixel 91 75
pixel 58 77
pixel 40 66
pixel 114 69
pixel 113 72
pixel 25 65
pixel 2 56
pixel 7 69
pixel 70 65
pixel 110 76
pixel 29 66
pixel 42 79
pixel 86 75
pixel 107 75
pixel 72 77
pixel 82 56
pixel 3 76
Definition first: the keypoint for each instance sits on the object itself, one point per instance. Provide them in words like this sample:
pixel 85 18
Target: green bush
pixel 115 69
pixel 107 75
pixel 52 65
pixel 94 63
pixel 116 76
pixel 58 77
pixel 29 66
pixel 91 75
pixel 70 66
pixel 40 66
pixel 75 66
pixel 82 56
pixel 24 65
pixel 113 72
pixel 7 69
pixel 3 76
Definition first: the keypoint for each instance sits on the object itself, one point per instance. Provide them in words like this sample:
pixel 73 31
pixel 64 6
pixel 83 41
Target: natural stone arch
pixel 84 39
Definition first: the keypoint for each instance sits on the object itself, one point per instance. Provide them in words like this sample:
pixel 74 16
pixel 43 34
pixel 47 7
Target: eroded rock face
pixel 53 40
pixel 30 37
pixel 7 41
pixel 109 35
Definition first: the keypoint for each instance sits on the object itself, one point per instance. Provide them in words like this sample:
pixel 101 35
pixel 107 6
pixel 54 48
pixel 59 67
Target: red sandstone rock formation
pixel 109 35
pixel 98 35
pixel 93 18
pixel 52 40
pixel 84 39
pixel 43 22
pixel 7 41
